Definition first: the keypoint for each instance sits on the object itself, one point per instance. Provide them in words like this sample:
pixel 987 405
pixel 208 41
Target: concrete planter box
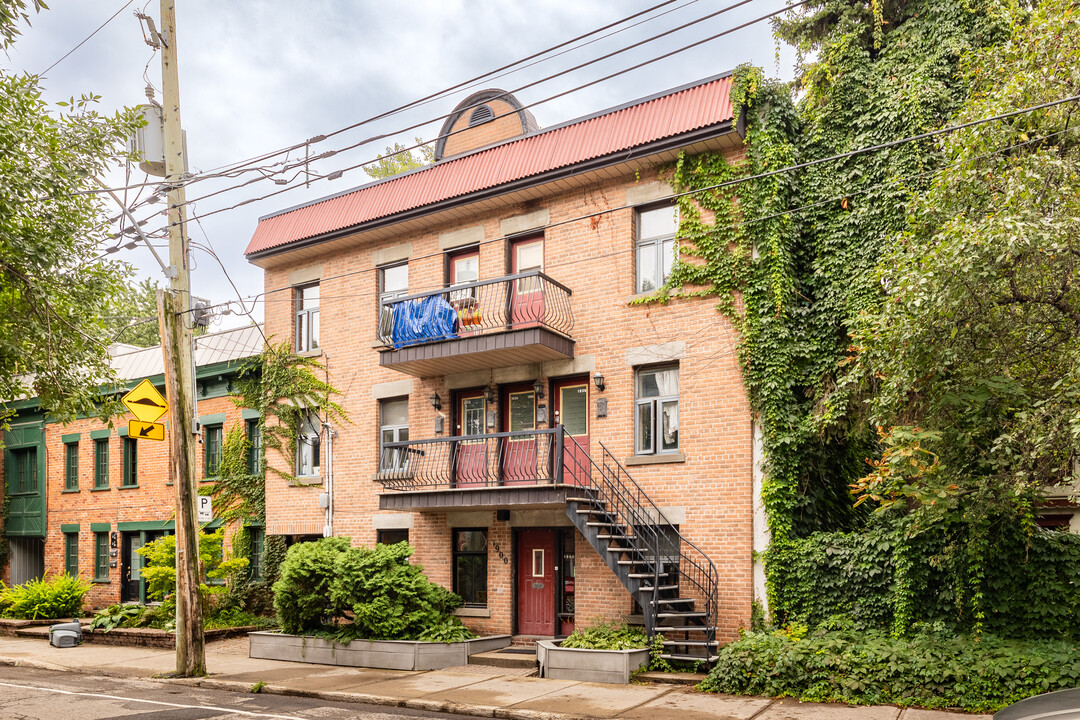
pixel 386 654
pixel 607 666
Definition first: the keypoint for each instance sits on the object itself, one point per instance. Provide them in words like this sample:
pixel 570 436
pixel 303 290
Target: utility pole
pixel 175 321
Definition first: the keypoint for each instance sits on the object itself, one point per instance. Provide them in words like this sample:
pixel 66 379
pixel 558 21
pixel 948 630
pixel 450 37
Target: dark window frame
pixel 101 464
pixel 131 463
pixel 101 557
pixel 214 439
pixel 71 466
pixel 258 552
pixel 465 554
pixel 25 481
pixel 71 548
pixel 385 536
pixel 254 454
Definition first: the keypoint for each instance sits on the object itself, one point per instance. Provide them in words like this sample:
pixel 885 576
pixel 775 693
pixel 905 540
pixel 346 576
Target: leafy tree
pixel 53 290
pixel 398 160
pixel 160 569
pixel 972 367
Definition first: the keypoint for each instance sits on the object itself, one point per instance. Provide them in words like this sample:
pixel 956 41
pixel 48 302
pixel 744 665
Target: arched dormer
pixel 483 118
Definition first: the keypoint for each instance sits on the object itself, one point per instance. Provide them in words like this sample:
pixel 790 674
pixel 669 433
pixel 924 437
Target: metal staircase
pixel 674 582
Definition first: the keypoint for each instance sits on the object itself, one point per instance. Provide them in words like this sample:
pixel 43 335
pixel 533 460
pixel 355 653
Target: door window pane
pixel 644 428
pixel 522 411
pixel 466 269
pixel 530 256
pixel 574 409
pixel 473 422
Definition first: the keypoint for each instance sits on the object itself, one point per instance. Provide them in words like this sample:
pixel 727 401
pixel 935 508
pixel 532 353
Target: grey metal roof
pixel 210 349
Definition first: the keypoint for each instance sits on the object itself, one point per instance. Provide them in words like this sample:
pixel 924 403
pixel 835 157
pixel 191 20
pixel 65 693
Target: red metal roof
pixel 611 131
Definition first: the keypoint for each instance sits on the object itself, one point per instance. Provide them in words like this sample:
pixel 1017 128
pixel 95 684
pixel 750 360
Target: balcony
pixel 509 469
pixel 512 320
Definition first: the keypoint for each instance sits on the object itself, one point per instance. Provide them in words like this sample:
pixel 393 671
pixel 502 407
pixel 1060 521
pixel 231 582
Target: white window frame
pixel 655 246
pixel 386 316
pixel 306 319
pixel 309 444
pixel 653 406
pixel 395 460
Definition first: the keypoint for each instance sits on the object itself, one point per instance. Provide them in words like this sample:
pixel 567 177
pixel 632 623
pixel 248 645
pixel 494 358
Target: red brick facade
pixel 706 488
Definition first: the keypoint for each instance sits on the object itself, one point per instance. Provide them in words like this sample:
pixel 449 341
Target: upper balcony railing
pixel 528 299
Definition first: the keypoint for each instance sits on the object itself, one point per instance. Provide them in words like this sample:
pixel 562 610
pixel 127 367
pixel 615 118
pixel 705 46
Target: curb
pixel 439 706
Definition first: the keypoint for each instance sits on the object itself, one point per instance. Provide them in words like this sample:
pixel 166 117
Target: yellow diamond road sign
pixel 146 430
pixel 145 402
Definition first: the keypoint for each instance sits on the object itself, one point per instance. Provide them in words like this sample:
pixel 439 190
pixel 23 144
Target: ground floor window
pixel 258 550
pixel 392 537
pixel 101 557
pixel 470 566
pixel 71 554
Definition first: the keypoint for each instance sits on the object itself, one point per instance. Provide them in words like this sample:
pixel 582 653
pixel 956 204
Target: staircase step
pixel 624 550
pixel 681 628
pixel 646 576
pixel 693 643
pixel 690 614
pixel 633 562
pixel 602 524
pixel 690 658
pixel 592 501
pixel 592 511
pixel 661 588
pixel 621 536
pixel 676 601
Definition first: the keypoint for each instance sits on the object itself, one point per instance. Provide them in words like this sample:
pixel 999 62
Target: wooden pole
pixel 175 318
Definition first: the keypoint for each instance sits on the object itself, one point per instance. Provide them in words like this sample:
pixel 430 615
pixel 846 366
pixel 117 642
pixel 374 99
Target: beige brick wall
pixel 595 258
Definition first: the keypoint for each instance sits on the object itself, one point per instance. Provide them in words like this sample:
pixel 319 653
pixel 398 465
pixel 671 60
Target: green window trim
pixel 70 438
pixel 71 553
pixel 100 527
pixel 101 557
pixel 103 434
pixel 101 464
pixel 246 414
pixel 131 463
pixel 122 432
pixel 69 527
pixel 213 439
pixel 213 419
pixel 71 466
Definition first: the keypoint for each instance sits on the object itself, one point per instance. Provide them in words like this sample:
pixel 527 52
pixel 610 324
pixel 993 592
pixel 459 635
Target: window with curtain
pixel 656 248
pixel 307 444
pixel 656 410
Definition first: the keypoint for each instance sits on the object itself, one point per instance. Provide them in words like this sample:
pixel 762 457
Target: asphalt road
pixel 31 694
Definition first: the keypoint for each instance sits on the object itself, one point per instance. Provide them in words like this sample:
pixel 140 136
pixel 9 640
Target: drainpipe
pixel 328 433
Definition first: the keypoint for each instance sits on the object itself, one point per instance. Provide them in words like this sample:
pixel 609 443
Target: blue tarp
pixel 423 320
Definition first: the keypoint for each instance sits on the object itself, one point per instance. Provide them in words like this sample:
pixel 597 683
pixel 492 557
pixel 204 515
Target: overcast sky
pixel 260 75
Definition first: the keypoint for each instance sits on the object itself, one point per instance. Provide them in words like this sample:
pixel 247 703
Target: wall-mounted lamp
pixel 489 394
pixel 436 401
pixel 538 388
pixel 598 381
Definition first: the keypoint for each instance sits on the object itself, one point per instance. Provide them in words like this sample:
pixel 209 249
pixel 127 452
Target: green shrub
pixel 932 669
pixel 160 569
pixel 57 598
pixel 606 636
pixel 116 616
pixel 325 584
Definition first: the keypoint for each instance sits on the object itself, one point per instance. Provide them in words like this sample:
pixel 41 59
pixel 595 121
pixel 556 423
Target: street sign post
pixel 146 430
pixel 145 402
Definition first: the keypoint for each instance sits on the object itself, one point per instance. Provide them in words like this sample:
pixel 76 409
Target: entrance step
pixel 510 657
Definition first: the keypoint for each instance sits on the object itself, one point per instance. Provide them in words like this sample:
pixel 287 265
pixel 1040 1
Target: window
pixel 393 284
pixel 307 444
pixel 131 462
pixel 101 557
pixel 391 537
pixel 254 456
pixel 393 427
pixel 464 267
pixel 656 247
pixel 258 549
pixel 101 464
pixel 71 554
pixel 470 566
pixel 212 452
pixel 307 318
pixel 71 466
pixel 656 416
pixel 26 471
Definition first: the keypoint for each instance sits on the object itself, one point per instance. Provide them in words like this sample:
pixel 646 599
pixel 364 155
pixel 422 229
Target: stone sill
pixel 474 612
pixel 69 491
pixel 128 487
pixel 659 459
pixel 100 489
pixel 317 352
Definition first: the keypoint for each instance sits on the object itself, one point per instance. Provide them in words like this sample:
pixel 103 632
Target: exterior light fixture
pixel 598 381
pixel 489 394
pixel 436 401
pixel 538 388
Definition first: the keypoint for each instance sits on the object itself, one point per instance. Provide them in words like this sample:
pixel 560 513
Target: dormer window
pixel 481 115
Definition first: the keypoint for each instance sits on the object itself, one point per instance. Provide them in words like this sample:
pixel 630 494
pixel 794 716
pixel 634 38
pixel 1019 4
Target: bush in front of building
pixel 160 569
pixel 604 635
pixel 61 597
pixel 329 588
pixel 932 669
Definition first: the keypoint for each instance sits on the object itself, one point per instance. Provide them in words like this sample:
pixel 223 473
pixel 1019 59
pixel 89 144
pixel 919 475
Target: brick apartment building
pixel 85 496
pixel 554 453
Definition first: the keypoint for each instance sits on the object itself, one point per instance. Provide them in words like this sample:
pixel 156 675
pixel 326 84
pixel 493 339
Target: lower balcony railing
pixel 531 457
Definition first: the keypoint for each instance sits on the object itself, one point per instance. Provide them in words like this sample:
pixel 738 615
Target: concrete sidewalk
pixel 478 692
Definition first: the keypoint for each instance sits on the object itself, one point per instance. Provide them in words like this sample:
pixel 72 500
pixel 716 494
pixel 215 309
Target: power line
pixel 111 17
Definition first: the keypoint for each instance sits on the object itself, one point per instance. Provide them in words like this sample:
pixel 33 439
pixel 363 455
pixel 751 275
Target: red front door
pixel 527 294
pixel 536 582
pixel 470 456
pixel 570 398
pixel 519 455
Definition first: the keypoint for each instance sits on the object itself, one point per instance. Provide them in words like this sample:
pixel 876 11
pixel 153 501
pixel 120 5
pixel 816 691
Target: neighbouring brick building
pixel 83 497
pixel 553 452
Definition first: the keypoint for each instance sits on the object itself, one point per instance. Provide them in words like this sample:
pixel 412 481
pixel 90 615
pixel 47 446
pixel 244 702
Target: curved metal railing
pixel 514 302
